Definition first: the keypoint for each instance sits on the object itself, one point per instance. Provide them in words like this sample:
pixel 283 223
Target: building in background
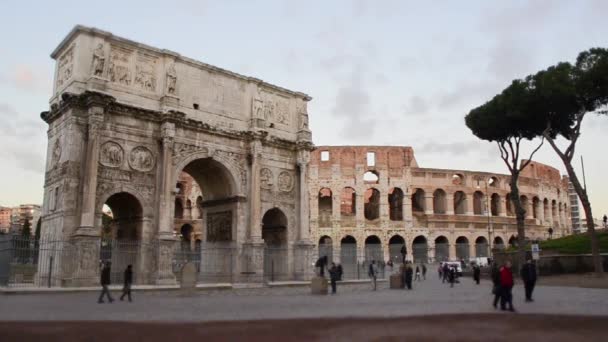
pixel 13 219
pixel 575 212
pixel 5 220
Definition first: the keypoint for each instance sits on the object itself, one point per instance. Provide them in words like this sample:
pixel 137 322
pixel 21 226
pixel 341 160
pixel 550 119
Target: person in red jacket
pixel 506 286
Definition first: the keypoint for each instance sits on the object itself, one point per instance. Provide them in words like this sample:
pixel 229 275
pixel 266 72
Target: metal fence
pixel 27 262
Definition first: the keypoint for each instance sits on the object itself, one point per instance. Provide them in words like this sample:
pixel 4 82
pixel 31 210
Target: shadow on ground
pixel 468 327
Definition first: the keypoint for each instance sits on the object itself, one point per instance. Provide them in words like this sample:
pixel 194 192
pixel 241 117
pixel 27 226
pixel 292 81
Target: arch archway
pixel 513 241
pixel 371 204
pixel 462 248
pixel 274 234
pixel 395 201
pixel 121 246
pixel 373 249
pixel 420 249
pixel 326 248
pixel 478 203
pixel 395 245
pixel 442 249
pixel 418 201
pixel 481 247
pixel 499 243
pixel 460 203
pixel 348 202
pixel 495 204
pixel 325 202
pixel 348 257
pixel 439 202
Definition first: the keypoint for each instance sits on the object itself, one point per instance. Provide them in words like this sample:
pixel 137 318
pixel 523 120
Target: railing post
pixel 50 271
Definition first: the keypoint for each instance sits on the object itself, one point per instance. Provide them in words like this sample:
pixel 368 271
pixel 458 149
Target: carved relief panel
pixel 145 72
pixel 273 108
pixel 65 67
pixel 285 181
pixel 266 179
pixel 141 159
pixel 119 70
pixel 111 154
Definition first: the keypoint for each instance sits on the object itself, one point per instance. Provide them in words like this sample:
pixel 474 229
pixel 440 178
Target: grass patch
pixel 576 244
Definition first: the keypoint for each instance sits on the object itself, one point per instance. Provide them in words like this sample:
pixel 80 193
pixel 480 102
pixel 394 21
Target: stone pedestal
pixel 252 268
pixel 164 275
pixel 188 279
pixel 318 286
pixel 303 260
pixel 87 271
pixel 396 281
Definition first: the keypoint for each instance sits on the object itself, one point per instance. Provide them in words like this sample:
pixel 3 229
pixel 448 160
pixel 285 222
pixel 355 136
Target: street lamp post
pixel 488 208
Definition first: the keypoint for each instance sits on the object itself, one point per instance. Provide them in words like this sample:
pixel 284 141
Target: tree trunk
pixel 520 214
pixel 582 194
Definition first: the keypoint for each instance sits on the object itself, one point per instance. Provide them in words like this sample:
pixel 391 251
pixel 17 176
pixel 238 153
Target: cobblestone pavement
pixel 427 297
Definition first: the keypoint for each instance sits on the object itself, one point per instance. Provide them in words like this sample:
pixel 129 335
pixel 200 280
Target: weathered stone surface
pixel 188 277
pixel 318 286
pixel 396 281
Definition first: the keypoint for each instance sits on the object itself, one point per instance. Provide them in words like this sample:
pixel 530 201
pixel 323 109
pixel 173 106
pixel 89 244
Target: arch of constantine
pixel 155 159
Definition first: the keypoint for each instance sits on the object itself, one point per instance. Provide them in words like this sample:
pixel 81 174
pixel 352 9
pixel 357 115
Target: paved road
pixel 428 297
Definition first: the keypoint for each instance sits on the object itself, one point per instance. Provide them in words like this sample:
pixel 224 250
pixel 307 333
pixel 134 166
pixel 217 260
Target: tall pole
pixel 489 211
pixel 584 180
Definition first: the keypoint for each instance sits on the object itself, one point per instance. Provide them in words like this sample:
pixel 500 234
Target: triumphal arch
pixel 127 121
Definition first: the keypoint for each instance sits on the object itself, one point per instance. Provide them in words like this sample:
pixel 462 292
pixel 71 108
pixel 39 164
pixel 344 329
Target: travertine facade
pixel 438 214
pixel 126 120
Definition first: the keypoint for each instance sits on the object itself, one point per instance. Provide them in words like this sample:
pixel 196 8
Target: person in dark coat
pixel 423 271
pixel 446 273
pixel 403 253
pixel 409 274
pixel 105 282
pixel 495 283
pixel 476 273
pixel 126 289
pixel 334 276
pixel 340 271
pixel 528 275
pixel 321 264
pixel 452 276
pixel 440 270
pixel 417 273
pixel 506 287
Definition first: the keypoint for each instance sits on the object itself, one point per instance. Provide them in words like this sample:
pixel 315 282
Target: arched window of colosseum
pixel 326 248
pixel 371 177
pixel 462 248
pixel 442 249
pixel 420 249
pixel 188 210
pixel 179 209
pixel 179 188
pixel 493 182
pixel 439 202
pixel 348 202
pixel 499 243
pixel 372 204
pixel 554 210
pixel 457 179
pixel 373 249
pixel 418 201
pixel 512 241
pixel 325 207
pixel 348 256
pixel 495 204
pixel 395 246
pixel 535 207
pixel 478 202
pixel 395 201
pixel 481 247
pixel 509 205
pixel 460 203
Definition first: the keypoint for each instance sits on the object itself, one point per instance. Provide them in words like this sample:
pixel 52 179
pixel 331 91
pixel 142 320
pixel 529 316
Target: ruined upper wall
pixel 541 171
pixel 158 79
pixel 350 156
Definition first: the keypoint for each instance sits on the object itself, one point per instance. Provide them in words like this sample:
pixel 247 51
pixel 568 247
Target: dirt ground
pixel 472 327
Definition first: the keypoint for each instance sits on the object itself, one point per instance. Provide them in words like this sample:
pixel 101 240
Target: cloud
pixel 417 106
pixel 454 148
pixel 27 77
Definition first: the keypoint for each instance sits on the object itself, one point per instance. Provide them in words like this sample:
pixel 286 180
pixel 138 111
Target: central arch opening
pixel 122 225
pixel 395 247
pixel 348 257
pixel 205 212
pixel 274 234
pixel 420 250
pixel 442 249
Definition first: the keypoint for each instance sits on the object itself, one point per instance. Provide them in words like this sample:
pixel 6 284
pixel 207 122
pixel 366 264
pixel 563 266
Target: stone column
pixel 452 251
pixel 428 204
pixel 86 236
pixel 503 207
pixel 304 247
pixel 540 213
pixel 449 198
pixel 166 240
pixel 360 206
pixel 253 248
pixel 530 209
pixel 472 249
pixel 304 200
pixel 407 207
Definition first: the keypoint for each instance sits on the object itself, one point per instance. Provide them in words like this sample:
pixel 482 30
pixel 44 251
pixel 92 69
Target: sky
pixel 381 72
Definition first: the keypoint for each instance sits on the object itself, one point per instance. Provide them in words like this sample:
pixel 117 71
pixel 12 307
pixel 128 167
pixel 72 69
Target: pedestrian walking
pixel 403 253
pixel 128 279
pixel 476 273
pixel 417 273
pixel 389 269
pixel 528 275
pixel 440 270
pixel 409 274
pixel 495 273
pixel 446 272
pixel 340 271
pixel 506 287
pixel 423 272
pixel 334 276
pixel 452 276
pixel 321 264
pixel 373 273
pixel 105 282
